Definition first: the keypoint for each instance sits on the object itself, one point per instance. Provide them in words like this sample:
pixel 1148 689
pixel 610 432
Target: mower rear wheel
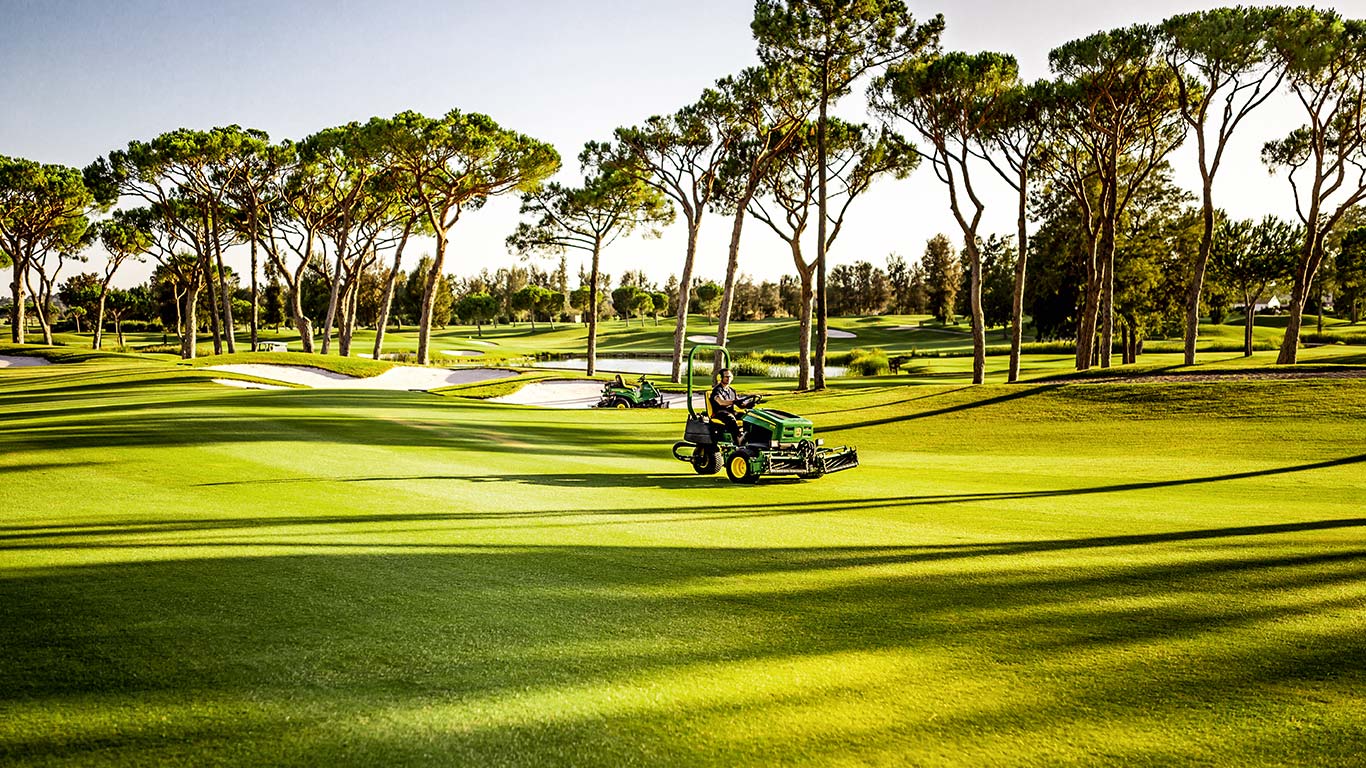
pixel 621 402
pixel 738 469
pixel 706 460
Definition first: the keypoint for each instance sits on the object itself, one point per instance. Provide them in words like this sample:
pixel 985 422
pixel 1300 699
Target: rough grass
pixel 1044 574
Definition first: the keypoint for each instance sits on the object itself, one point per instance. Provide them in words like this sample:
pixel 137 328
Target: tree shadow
pixel 656 647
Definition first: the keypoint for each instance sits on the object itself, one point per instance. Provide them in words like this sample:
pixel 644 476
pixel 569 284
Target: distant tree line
pixel 1106 252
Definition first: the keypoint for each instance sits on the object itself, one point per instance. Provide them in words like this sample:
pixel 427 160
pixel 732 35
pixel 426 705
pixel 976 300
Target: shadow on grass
pixel 558 655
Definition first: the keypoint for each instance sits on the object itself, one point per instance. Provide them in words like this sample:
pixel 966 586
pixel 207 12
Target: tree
pixel 950 100
pixel 122 240
pixel 765 107
pixel 183 176
pixel 1116 121
pixel 1351 269
pixel 611 203
pixel 551 303
pixel 1222 62
pixel 120 303
pixel 708 296
pixel 856 157
pixel 1017 134
pixel 1254 256
pixel 477 308
pixel 457 162
pixel 42 207
pixel 1325 60
pixel 833 43
pixel 364 211
pixel 943 275
pixel 624 302
pixel 998 280
pixel 529 299
pixel 680 156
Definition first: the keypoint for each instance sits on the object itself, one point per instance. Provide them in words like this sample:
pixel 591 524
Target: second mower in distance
pixel 775 442
pixel 618 394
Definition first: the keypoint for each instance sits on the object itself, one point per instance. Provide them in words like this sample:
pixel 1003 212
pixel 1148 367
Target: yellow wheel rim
pixel 622 405
pixel 739 466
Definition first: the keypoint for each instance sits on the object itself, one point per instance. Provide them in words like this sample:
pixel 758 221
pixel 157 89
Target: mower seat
pixel 716 426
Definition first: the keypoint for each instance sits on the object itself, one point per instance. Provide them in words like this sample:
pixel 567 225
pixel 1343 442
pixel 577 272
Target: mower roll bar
pixel 725 357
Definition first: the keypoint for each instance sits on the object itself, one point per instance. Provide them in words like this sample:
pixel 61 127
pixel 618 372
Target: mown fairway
pixel 1130 574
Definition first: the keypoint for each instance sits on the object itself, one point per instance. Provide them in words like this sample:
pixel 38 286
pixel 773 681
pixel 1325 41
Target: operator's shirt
pixel 722 392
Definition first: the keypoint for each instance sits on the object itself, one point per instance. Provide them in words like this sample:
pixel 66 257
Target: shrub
pixel 868 362
pixel 751 364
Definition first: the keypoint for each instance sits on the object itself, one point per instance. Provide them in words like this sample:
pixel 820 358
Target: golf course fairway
pixel 1137 574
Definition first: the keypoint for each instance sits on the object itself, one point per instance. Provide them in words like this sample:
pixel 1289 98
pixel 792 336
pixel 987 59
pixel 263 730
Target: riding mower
pixel 772 442
pixel 619 394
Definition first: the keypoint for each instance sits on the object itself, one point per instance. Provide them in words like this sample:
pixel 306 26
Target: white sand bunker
pixel 401 378
pixel 831 333
pixel 22 361
pixel 703 339
pixel 461 352
pixel 555 394
pixel 567 393
pixel 240 384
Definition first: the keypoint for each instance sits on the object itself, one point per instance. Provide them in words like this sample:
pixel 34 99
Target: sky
pixel 79 78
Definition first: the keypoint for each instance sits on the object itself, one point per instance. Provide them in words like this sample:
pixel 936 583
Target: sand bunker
pixel 703 339
pixel 402 377
pixel 565 393
pixel 22 361
pixel 461 353
pixel 831 333
pixel 240 384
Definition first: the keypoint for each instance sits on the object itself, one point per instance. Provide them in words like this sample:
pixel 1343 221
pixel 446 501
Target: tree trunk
pixel 1198 278
pixel 226 287
pixel 255 291
pixel 592 363
pixel 684 291
pixel 979 345
pixel 334 296
pixel 386 304
pixel 301 321
pixel 804 331
pixel 1107 300
pixel 429 288
pixel 99 318
pixel 1299 294
pixel 1017 298
pixel 213 303
pixel 732 266
pixel 822 322
pixel 40 306
pixel 1249 318
pixel 17 318
pixel 189 338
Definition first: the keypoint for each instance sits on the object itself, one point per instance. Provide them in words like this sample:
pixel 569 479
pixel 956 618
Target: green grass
pixel 1123 574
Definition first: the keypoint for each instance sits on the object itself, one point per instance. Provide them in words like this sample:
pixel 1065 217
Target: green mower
pixel 618 394
pixel 775 442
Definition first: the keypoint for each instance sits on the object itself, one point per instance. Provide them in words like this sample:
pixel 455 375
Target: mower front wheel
pixel 706 460
pixel 739 470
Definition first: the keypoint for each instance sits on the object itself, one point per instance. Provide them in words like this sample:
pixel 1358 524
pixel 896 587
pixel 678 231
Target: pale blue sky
pixel 79 78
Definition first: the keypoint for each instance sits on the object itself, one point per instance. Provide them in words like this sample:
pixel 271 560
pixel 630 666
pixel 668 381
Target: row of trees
pixel 1085 151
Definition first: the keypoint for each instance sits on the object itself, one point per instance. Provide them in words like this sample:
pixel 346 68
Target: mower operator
pixel 724 401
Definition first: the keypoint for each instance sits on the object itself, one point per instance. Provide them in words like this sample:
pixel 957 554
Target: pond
pixel 661 367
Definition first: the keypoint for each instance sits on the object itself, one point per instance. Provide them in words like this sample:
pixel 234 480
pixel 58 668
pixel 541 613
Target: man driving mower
pixel 723 402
